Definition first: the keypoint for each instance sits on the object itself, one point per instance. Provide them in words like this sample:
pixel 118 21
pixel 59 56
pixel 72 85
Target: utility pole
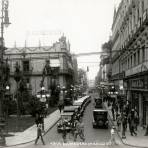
pixel 4 21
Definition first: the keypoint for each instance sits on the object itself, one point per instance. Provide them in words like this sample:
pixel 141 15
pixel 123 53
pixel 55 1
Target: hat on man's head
pixel 39 125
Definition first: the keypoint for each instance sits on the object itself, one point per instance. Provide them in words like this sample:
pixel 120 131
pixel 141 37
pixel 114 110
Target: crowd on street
pixel 76 124
pixel 124 115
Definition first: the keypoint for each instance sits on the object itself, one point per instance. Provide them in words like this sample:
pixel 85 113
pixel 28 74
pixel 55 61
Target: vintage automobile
pixel 70 109
pixel 66 119
pixel 68 116
pixel 100 118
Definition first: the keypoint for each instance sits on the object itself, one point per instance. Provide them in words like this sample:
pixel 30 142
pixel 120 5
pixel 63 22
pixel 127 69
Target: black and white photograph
pixel 73 73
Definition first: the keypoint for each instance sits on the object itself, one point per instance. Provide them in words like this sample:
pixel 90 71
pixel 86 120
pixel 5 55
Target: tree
pixel 107 46
pixel 82 77
pixel 34 106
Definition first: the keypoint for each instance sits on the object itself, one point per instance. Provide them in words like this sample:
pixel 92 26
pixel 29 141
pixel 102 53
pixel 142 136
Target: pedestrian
pixel 41 121
pixel 60 107
pixel 133 128
pixel 124 124
pixel 79 130
pixel 37 119
pixel 64 133
pixel 113 141
pixel 129 122
pixel 119 121
pixel 136 120
pixel 116 109
pixel 113 112
pixel 39 134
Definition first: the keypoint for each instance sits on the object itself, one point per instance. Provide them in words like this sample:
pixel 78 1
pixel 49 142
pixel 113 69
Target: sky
pixel 85 23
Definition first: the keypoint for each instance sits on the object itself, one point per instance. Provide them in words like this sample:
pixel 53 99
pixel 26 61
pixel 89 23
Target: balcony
pixel 137 69
pixel 119 76
pixel 139 27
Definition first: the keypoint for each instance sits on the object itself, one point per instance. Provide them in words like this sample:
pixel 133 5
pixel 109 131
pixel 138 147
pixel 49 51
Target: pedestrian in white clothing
pixel 113 141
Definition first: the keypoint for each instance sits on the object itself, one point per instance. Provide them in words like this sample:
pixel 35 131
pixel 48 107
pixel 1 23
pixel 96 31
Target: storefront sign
pixel 137 69
pixel 137 83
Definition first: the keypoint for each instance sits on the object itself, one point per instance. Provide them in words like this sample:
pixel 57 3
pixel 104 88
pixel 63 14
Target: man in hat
pixel 79 130
pixel 39 134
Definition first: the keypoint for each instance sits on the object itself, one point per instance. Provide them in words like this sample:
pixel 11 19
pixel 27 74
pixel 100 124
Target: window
pixel 27 80
pixel 131 61
pixel 143 54
pixel 26 65
pixel 128 63
pixel 138 57
pixel 142 6
pixel 134 59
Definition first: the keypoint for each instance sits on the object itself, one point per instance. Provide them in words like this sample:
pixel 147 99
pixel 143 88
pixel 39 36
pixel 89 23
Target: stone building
pixel 32 61
pixel 130 54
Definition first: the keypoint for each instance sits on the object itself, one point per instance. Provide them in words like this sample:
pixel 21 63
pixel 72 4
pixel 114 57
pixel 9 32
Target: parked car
pixel 65 120
pixel 100 118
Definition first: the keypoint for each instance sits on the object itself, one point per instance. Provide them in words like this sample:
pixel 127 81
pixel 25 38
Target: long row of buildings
pixel 128 67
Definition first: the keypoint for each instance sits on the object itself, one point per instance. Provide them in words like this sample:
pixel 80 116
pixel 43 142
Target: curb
pixel 120 135
pixel 49 128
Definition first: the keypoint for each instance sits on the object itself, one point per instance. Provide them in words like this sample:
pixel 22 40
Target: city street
pixel 64 53
pixel 92 135
pixel 99 137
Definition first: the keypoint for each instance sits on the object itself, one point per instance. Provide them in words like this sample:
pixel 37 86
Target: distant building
pixel 75 68
pixel 32 61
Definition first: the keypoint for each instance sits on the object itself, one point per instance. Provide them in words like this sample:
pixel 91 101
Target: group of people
pixel 125 115
pixel 77 129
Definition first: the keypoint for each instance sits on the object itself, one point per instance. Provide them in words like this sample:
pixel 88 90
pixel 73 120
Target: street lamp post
pixel 4 21
pixel 72 93
pixel 43 96
pixel 7 98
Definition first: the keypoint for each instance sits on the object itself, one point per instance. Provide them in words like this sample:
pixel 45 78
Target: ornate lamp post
pixel 43 96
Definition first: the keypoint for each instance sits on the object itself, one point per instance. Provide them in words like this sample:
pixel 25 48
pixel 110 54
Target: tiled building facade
pixel 32 61
pixel 130 53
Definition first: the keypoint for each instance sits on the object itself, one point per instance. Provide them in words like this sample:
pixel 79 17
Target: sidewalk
pixel 30 134
pixel 138 141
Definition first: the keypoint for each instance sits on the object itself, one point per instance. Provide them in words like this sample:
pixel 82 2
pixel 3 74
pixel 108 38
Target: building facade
pixel 130 54
pixel 32 62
